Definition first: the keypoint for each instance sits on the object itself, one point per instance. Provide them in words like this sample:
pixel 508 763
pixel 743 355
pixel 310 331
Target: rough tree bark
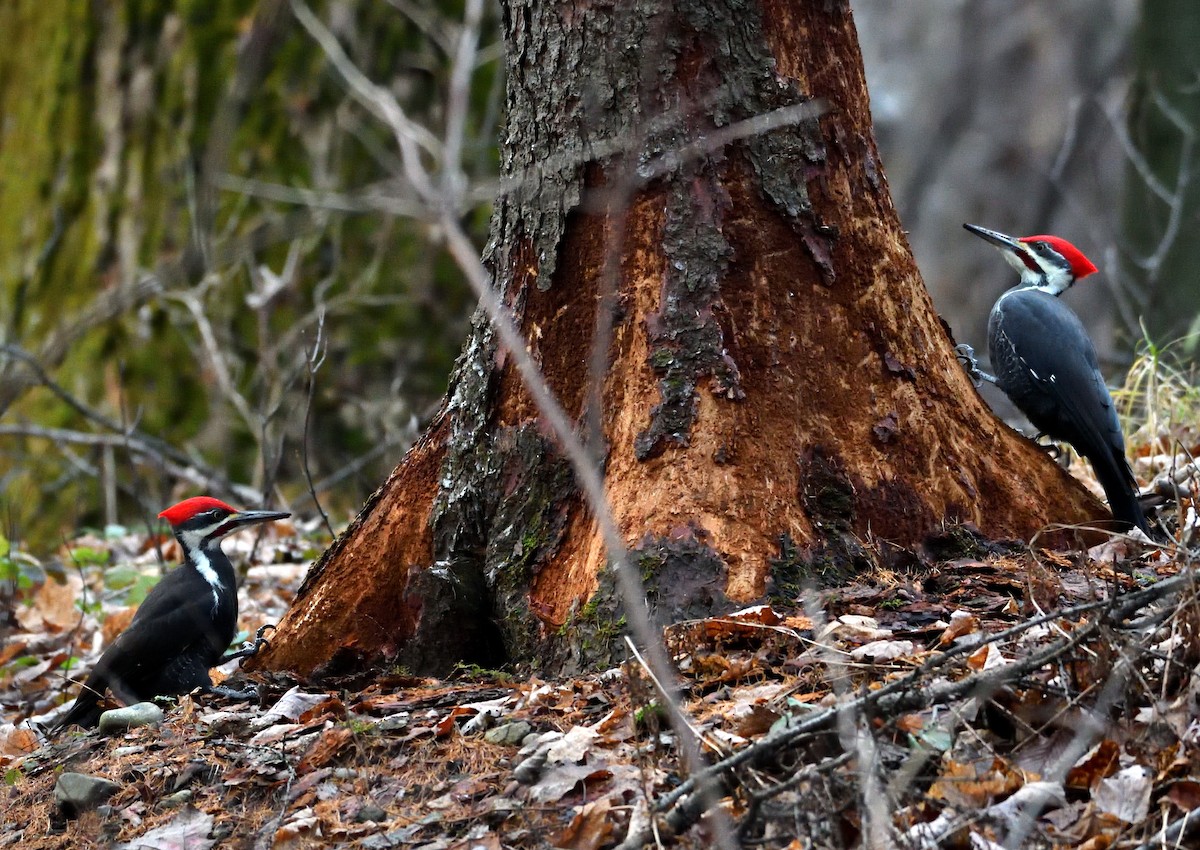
pixel 781 398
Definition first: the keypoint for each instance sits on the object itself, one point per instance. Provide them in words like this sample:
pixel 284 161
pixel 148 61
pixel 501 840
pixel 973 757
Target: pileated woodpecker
pixel 185 624
pixel 1046 363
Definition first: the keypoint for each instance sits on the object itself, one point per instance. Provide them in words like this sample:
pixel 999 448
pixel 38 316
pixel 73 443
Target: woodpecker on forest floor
pixel 1045 362
pixel 185 624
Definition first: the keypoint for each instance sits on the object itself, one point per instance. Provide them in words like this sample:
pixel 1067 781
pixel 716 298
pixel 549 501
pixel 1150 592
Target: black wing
pixel 1050 370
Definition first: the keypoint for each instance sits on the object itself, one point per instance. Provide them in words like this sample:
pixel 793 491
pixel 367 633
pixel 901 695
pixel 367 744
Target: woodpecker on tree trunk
pixel 1045 362
pixel 186 622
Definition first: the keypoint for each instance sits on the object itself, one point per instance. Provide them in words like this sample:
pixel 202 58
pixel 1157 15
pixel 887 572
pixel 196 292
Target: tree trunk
pixel 780 399
pixel 1160 220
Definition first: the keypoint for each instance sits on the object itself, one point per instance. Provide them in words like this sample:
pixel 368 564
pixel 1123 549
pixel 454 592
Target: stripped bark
pixel 780 396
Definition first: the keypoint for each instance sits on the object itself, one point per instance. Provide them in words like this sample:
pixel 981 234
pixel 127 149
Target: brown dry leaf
pixel 300 823
pixel 1185 794
pixel 53 607
pixel 986 657
pixel 799 623
pixel 758 720
pixel 16 741
pixel 331 708
pixel 1099 762
pixel 325 749
pixel 447 725
pixel 762 614
pixel 589 830
pixel 617 725
pixel 560 780
pixel 329 815
pixel 975 785
pixel 117 622
pixel 11 650
pixel 961 623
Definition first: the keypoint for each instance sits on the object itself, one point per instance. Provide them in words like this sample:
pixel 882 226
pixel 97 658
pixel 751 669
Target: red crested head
pixel 1081 266
pixel 188 508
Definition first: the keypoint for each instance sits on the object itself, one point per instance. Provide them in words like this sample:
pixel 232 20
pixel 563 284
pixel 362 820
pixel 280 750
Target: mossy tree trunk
pixel 119 123
pixel 779 395
pixel 1162 203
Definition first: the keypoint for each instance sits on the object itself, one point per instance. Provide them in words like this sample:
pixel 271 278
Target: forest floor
pixel 1039 698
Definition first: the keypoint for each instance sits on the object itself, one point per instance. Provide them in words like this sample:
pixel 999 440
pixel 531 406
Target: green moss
pixel 834 561
pixel 106 182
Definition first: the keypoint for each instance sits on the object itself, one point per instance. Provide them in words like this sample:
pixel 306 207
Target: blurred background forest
pixel 212 278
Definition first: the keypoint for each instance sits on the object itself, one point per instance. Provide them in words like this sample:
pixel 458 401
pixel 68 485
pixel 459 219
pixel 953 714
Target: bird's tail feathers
pixel 1115 476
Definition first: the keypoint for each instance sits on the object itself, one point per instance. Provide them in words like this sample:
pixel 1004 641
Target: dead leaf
pixel 856 628
pixel 1185 794
pixel 883 650
pixel 1126 795
pixel 573 746
pixel 187 831
pixel 300 823
pixel 447 724
pixel 987 657
pixel 590 829
pixel 488 841
pixel 975 784
pixel 558 781
pixel 17 740
pixel 117 622
pixel 961 623
pixel 53 607
pixel 291 705
pixel 1099 762
pixel 757 721
pixel 325 749
pixel 331 707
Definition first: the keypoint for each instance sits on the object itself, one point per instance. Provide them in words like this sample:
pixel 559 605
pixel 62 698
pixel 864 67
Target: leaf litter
pixel 1000 697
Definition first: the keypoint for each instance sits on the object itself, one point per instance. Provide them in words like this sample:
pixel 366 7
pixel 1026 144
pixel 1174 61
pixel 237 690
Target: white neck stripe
pixel 208 574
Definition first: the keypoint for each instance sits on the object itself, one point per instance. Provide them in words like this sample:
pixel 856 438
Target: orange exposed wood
pixel 829 408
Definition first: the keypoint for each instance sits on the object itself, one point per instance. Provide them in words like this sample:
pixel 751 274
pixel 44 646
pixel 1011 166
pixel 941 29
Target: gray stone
pixel 179 798
pixel 78 792
pixel 508 734
pixel 370 812
pixel 118 720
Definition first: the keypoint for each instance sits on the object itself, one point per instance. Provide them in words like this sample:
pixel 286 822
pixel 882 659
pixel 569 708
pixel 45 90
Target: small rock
pixel 179 798
pixel 508 734
pixel 370 813
pixel 78 792
pixel 128 751
pixel 119 720
pixel 529 770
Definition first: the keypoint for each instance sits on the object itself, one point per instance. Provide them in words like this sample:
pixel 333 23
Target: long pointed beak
pixel 242 518
pixel 1000 240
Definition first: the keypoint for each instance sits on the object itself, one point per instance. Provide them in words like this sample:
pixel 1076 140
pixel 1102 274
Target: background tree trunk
pixel 153 157
pixel 1162 199
pixel 780 398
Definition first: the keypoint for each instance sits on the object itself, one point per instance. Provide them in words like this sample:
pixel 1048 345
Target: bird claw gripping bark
pixel 250 649
pixel 966 356
pixel 1051 448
